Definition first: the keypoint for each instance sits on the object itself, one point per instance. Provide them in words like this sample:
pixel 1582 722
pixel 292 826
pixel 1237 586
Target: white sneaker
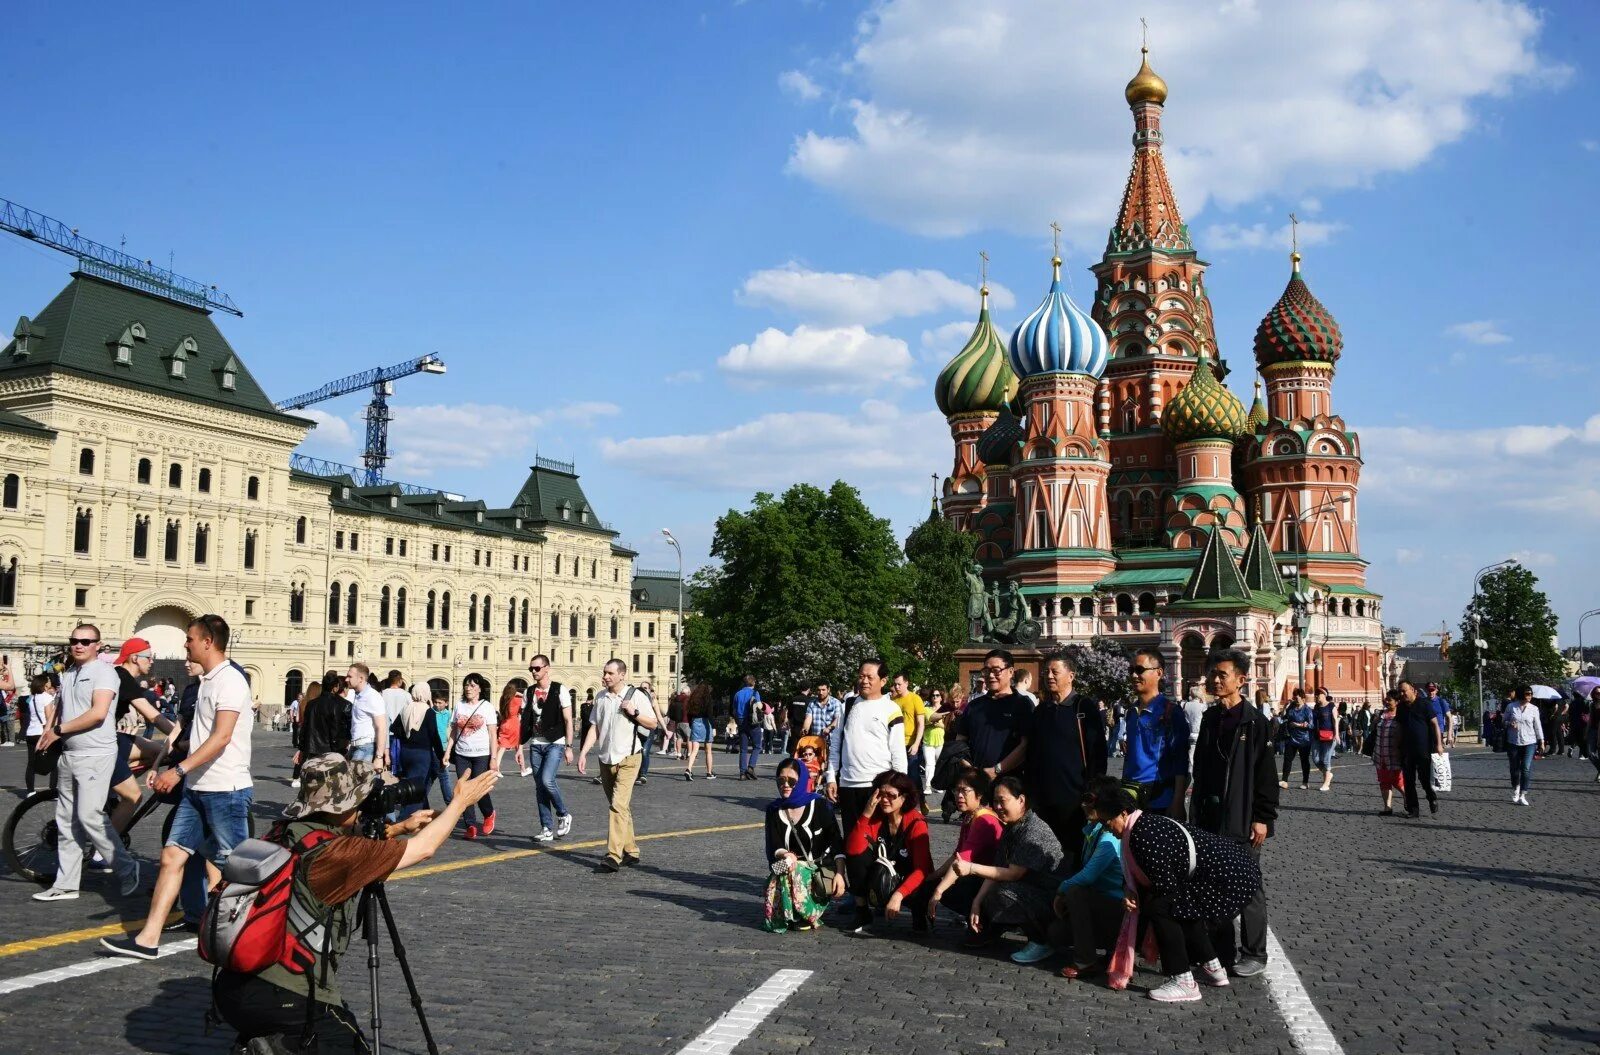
pixel 295 782
pixel 56 894
pixel 545 836
pixel 1516 796
pixel 563 825
pixel 1179 989
pixel 527 771
pixel 1524 799
pixel 1213 973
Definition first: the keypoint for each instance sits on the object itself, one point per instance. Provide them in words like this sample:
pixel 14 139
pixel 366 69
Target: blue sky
pixel 708 248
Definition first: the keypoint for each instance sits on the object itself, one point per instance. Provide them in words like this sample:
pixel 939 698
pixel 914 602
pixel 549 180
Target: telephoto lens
pixel 385 799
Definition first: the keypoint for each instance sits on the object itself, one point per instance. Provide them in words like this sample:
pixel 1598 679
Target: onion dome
pixel 978 380
pixel 1059 338
pixel 1258 411
pixel 1002 440
pixel 1145 87
pixel 1203 409
pixel 1298 328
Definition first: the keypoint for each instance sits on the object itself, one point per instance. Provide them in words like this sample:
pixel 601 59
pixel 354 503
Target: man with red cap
pixel 134 661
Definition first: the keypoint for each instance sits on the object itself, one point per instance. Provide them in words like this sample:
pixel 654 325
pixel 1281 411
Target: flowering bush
pixel 831 653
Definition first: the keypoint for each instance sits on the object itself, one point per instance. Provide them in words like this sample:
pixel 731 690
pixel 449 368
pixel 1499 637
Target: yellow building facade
pixel 148 479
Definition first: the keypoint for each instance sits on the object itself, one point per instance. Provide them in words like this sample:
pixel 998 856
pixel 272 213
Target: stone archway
pixel 165 627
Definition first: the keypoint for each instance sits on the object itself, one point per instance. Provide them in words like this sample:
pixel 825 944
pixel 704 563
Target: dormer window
pixel 394 502
pixel 183 351
pixel 122 347
pixel 136 331
pixel 479 516
pixel 229 374
pixel 25 332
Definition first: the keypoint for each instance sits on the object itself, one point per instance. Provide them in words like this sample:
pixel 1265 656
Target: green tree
pixel 789 564
pixel 1519 630
pixel 1102 670
pixel 936 623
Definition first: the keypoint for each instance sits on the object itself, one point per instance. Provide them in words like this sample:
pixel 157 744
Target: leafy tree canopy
pixel 1519 629
pixel 936 621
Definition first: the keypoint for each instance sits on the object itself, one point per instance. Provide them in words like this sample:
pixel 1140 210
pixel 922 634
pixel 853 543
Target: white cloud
pixel 833 297
pixel 683 377
pixel 823 359
pixel 425 439
pixel 1591 145
pixel 877 446
pixel 1479 331
pixel 1258 236
pixel 961 116
pixel 1405 555
pixel 331 430
pixel 941 343
pixel 585 411
pixel 799 85
pixel 1533 558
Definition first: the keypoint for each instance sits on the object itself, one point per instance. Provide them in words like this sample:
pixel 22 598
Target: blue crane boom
pixel 113 265
pixel 381 381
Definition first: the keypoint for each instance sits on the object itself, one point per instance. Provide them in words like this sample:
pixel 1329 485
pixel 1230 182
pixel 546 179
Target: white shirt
pixel 36 708
pixel 615 735
pixel 223 688
pixel 365 706
pixel 873 740
pixel 395 702
pixel 1194 710
pixel 1523 726
pixel 474 743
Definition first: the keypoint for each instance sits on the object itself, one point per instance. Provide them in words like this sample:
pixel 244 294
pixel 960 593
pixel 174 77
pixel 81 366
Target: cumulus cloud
pixel 943 342
pixel 1480 331
pixel 878 446
pixel 821 359
pixel 960 116
pixel 331 430
pixel 799 85
pixel 426 439
pixel 1259 236
pixel 683 377
pixel 832 297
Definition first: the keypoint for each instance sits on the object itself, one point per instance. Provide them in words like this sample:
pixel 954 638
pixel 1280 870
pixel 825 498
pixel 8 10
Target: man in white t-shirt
pixel 214 810
pixel 369 726
pixel 622 717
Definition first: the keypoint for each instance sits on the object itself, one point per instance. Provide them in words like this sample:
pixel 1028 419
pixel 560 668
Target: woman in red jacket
pixel 887 856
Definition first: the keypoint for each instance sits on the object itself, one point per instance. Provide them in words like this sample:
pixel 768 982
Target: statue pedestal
pixel 969 661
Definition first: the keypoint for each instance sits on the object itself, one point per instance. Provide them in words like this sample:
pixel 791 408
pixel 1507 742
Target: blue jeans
pixel 1521 758
pixel 417 764
pixel 364 752
pixel 750 746
pixel 447 783
pixel 545 760
pixel 1322 754
pixel 648 750
pixel 211 821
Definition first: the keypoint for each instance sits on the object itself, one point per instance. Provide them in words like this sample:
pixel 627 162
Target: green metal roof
pixel 1260 571
pixel 551 495
pixel 656 590
pixel 15 422
pixel 1216 577
pixel 1146 577
pixel 82 327
pixel 1354 591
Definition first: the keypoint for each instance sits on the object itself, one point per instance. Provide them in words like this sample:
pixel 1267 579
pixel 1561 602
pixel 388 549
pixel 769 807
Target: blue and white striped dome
pixel 1059 338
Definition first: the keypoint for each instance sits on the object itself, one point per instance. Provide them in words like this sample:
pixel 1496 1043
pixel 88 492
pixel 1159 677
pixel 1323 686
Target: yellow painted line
pixel 111 930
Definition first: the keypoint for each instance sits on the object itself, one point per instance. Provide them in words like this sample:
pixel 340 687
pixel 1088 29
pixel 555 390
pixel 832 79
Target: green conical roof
pixel 1216 577
pixel 979 379
pixel 1258 569
pixel 1203 409
pixel 1258 411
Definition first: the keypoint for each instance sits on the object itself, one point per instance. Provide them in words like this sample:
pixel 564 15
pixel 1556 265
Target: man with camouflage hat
pixel 272 1003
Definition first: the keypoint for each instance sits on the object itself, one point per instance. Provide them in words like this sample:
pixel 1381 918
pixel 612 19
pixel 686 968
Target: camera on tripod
pixel 386 798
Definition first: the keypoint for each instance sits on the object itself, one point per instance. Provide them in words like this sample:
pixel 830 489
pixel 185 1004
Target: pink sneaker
pixel 1213 973
pixel 1179 989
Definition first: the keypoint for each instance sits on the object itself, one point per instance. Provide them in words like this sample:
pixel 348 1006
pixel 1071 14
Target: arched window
pixel 352 605
pixel 334 597
pixel 383 607
pixel 82 528
pixel 487 605
pixel 13 491
pixel 594 573
pixel 591 626
pixel 1086 606
pixel 202 482
pixel 144 471
pixel 169 545
pixel 400 607
pixel 174 475
pixel 511 616
pixel 444 611
pixel 429 609
pixel 524 616
pixel 1124 604
pixel 249 549
pixel 558 564
pixel 141 537
pixel 1147 505
pixel 202 543
pixel 615 627
pixel 572 625
pixel 8 583
pixel 472 614
pixel 1147 604
pixel 300 531
pixel 297 603
pixel 555 624
pixel 86 461
pixel 252 488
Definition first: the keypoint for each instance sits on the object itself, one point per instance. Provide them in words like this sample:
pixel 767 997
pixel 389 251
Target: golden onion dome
pixel 1146 86
pixel 1204 409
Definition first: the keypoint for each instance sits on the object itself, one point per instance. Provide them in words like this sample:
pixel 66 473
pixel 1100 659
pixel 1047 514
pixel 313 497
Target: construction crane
pixel 1443 634
pixel 381 381
pixel 110 264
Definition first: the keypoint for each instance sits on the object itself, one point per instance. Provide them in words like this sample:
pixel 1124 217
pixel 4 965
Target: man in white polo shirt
pixel 622 717
pixel 214 812
pixel 369 724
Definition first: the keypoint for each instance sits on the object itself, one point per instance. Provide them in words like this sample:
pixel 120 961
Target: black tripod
pixel 373 898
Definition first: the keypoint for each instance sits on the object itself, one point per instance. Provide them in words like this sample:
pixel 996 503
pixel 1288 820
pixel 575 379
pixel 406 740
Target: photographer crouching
pixel 334 864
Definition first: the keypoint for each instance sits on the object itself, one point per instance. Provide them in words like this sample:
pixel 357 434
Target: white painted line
pixel 85 967
pixel 726 1032
pixel 1307 1028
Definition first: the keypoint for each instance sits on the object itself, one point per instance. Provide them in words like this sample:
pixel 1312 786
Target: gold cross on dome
pixel 983 269
pixel 1144 35
pixel 1056 229
pixel 1294 233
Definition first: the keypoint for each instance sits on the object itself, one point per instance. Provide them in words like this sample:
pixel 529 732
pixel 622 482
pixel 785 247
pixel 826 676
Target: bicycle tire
pixel 35 819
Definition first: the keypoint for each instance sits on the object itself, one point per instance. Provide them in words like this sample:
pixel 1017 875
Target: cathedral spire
pixel 1149 217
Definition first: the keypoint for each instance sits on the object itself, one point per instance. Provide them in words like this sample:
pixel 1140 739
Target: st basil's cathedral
pixel 1119 489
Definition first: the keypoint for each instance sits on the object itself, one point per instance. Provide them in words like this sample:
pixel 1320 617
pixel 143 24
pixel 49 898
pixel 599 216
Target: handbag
pixel 1325 736
pixel 44 762
pixel 1440 772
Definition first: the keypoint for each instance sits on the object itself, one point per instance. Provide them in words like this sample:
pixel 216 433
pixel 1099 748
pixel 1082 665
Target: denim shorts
pixel 700 731
pixel 364 752
pixel 211 821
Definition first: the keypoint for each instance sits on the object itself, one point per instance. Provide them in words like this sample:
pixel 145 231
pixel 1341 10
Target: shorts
pixel 364 752
pixel 215 821
pixel 700 730
pixel 1391 779
pixel 122 770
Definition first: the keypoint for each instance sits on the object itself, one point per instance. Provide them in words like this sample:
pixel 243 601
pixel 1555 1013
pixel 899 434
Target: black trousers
pixel 1065 820
pixel 1418 769
pixel 1093 923
pixel 852 804
pixel 1183 942
pixel 1304 750
pixel 958 897
pixel 1252 926
pixel 858 870
pixel 257 1008
pixel 32 743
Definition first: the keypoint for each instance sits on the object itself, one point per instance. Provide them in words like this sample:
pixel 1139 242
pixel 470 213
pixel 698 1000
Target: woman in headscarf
pixel 421 748
pixel 1019 888
pixel 803 851
pixel 1188 885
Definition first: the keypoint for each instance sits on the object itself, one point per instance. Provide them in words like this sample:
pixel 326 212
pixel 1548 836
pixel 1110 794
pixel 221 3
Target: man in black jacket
pixel 1064 746
pixel 547 740
pixel 1236 795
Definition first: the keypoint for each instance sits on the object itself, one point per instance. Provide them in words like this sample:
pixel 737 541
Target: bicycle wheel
pixel 30 836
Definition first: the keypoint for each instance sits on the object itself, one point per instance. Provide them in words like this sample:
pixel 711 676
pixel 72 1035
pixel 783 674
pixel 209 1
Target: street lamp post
pixel 677 675
pixel 1479 645
pixel 1581 618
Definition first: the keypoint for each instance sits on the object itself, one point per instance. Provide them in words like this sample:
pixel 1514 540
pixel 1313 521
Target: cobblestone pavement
pixel 1469 932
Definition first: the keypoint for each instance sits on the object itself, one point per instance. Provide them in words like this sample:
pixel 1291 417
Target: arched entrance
pixel 1191 659
pixel 293 684
pixel 165 628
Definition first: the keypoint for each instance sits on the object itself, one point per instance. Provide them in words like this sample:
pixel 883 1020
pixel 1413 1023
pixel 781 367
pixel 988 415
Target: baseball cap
pixel 132 647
